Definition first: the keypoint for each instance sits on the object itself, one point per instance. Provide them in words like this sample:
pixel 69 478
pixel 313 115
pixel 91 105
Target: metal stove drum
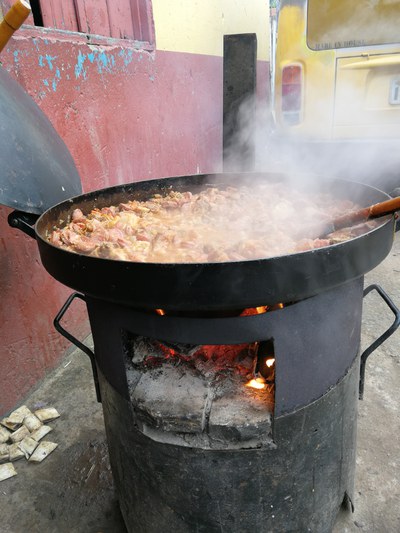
pixel 192 447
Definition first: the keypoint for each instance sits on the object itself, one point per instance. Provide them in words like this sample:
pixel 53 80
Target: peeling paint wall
pixel 126 114
pixel 133 110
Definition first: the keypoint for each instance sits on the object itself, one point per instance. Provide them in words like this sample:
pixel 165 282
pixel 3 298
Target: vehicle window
pixel 348 23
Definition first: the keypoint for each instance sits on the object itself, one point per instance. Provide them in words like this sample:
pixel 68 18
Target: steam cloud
pixel 257 146
pixel 363 121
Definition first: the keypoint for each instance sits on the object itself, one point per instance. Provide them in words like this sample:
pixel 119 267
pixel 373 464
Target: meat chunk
pixel 213 225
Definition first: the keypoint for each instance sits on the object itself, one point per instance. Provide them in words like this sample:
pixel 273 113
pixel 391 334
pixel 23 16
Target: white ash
pixel 192 401
pixel 142 348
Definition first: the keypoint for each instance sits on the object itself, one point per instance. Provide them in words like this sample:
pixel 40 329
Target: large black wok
pixel 211 286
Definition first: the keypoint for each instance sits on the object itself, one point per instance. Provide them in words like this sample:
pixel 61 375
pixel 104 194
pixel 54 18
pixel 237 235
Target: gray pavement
pixel 72 491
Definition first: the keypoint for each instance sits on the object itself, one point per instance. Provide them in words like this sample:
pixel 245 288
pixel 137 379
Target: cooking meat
pixel 213 225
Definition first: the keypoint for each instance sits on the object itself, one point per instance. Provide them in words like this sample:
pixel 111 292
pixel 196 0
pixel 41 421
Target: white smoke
pixel 258 145
pixel 362 142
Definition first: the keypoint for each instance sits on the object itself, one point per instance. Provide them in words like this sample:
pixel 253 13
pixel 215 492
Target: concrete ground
pixel 72 490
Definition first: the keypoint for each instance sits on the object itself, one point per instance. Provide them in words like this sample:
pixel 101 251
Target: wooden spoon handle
pixel 362 215
pixel 350 219
pixel 385 208
pixel 13 20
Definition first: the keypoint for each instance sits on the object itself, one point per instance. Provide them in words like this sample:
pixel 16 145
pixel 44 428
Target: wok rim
pixel 385 220
pixel 212 286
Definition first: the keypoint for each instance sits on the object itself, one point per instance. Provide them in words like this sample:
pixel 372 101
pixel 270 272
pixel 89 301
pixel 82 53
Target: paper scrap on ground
pixel 6 471
pixel 42 451
pixel 47 414
pixel 21 435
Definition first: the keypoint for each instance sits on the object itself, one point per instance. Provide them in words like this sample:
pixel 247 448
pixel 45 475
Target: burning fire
pixel 246 312
pixel 264 371
pixel 257 383
pixel 261 381
pixel 261 310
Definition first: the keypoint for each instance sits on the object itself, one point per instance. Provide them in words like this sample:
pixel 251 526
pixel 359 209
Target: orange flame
pixel 261 309
pixel 254 311
pixel 246 312
pixel 270 362
pixel 257 383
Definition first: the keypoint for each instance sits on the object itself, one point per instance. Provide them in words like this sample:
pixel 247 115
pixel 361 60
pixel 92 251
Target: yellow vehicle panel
pixel 292 49
pixel 367 99
pixel 349 86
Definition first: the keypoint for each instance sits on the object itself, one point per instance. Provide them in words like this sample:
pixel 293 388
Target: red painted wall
pixel 125 115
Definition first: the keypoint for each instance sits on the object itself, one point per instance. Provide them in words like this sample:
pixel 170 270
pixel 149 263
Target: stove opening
pixel 205 396
pixel 264 374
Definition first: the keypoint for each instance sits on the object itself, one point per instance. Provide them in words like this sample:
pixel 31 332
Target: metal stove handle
pixel 366 353
pixel 24 222
pixel 75 341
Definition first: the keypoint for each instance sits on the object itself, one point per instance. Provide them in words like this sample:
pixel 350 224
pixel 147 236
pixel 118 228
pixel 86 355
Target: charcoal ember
pixel 195 395
pixel 210 361
pixel 161 354
pixel 246 364
pixel 188 350
pixel 153 362
pixel 205 368
pixel 143 348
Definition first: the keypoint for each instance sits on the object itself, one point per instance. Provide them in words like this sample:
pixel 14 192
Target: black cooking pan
pixel 211 286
